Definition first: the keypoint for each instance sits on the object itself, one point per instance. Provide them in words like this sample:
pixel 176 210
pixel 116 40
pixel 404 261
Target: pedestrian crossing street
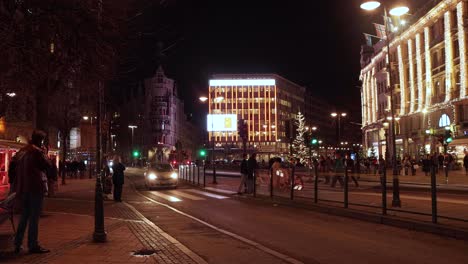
pixel 191 194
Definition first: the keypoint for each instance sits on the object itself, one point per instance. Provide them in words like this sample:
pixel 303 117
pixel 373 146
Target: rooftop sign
pixel 241 82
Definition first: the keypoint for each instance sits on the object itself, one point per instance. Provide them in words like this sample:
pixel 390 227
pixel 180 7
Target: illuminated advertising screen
pixel 221 122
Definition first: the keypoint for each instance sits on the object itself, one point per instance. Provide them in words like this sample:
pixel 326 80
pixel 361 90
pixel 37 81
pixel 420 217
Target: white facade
pixel 428 61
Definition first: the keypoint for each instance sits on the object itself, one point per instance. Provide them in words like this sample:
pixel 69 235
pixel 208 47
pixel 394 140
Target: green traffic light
pixel 314 141
pixel 202 153
pixel 136 153
pixel 449 140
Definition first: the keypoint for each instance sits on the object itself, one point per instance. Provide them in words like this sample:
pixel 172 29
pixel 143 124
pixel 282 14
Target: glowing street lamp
pixel 338 116
pixel 397 10
pixel 218 99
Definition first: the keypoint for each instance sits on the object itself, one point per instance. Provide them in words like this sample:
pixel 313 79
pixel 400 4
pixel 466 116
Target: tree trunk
pixel 42 106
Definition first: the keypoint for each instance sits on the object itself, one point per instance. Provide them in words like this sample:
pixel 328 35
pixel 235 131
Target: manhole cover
pixel 144 252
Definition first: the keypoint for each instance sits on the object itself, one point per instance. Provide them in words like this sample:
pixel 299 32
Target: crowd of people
pixel 334 166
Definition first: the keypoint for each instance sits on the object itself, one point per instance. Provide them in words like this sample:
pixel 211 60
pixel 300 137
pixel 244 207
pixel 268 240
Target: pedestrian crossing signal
pixel 448 136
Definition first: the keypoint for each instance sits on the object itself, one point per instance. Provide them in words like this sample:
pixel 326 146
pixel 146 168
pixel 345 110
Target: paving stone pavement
pixel 67 226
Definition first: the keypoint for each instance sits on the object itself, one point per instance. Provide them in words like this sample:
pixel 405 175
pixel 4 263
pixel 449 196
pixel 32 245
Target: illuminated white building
pixel 428 60
pixel 265 101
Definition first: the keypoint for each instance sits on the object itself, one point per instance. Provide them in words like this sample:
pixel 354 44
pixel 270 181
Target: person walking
pixel 244 174
pixel 31 186
pixel 349 165
pixel 339 169
pixel 118 178
pixel 251 168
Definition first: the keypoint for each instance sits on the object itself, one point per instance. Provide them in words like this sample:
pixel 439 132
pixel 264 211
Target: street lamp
pixel 218 99
pixel 132 127
pixel 395 11
pixel 338 116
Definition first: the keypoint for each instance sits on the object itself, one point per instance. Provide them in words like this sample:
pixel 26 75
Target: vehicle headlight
pixel 152 176
pixel 174 175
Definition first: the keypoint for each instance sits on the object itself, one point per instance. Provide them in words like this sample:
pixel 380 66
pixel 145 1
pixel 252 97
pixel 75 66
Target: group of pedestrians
pixel 248 168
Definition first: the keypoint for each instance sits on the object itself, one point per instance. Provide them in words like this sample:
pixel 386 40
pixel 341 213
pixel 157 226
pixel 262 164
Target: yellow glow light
pixel 448 56
pixel 370 5
pixel 399 11
pixel 401 72
pixel 419 72
pixel 411 76
pixel 427 51
pixel 462 42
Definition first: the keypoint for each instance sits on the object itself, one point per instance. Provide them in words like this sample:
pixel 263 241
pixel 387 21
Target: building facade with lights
pixel 265 102
pixel 428 64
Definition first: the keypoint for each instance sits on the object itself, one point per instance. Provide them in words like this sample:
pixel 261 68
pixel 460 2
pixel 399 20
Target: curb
pixel 426 227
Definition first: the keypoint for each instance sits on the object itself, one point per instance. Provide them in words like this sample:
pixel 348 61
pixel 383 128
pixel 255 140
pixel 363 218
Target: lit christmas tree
pixel 300 151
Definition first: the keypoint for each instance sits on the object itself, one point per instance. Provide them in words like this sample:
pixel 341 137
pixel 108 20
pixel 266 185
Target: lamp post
pixel 132 127
pixel 338 117
pixel 218 99
pixel 395 11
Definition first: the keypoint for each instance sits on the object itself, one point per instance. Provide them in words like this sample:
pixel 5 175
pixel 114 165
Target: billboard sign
pixel 220 122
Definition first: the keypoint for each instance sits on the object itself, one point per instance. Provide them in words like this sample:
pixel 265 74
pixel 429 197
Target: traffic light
pixel 136 153
pixel 448 136
pixel 314 141
pixel 202 153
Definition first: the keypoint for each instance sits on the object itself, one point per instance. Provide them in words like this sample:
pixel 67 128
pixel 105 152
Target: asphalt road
pixel 225 228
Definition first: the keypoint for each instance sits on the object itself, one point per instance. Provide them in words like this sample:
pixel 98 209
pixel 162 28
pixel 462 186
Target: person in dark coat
pixel 427 165
pixel 31 187
pixel 118 179
pixel 251 168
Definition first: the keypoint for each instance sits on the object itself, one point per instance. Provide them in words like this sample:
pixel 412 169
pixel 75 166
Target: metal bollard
pixel 198 175
pixel 292 181
pixel 434 195
pixel 384 192
pixel 316 185
pixel 271 182
pixel 346 187
pixel 204 176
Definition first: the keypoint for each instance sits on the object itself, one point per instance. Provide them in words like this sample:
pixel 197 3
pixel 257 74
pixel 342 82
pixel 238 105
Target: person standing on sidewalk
pixel 118 178
pixel 251 168
pixel 31 187
pixel 244 174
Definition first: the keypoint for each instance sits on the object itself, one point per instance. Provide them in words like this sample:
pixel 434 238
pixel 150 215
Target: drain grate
pixel 145 252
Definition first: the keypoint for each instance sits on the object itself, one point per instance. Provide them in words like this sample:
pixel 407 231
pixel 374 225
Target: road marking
pixel 220 190
pixel 186 195
pixel 212 195
pixel 243 239
pixel 170 198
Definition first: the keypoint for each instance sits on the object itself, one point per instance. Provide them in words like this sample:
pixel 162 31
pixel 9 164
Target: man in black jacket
pixel 251 167
pixel 118 179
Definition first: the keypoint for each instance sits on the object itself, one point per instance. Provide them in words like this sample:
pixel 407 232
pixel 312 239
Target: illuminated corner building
pixel 265 101
pixel 428 60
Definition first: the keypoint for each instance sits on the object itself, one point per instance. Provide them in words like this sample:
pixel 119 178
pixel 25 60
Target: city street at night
pixel 196 132
pixel 221 227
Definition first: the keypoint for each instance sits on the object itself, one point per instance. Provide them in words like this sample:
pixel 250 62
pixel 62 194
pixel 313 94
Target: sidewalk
pixel 67 226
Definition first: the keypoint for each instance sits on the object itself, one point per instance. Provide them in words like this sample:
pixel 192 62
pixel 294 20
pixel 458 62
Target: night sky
pixel 313 43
